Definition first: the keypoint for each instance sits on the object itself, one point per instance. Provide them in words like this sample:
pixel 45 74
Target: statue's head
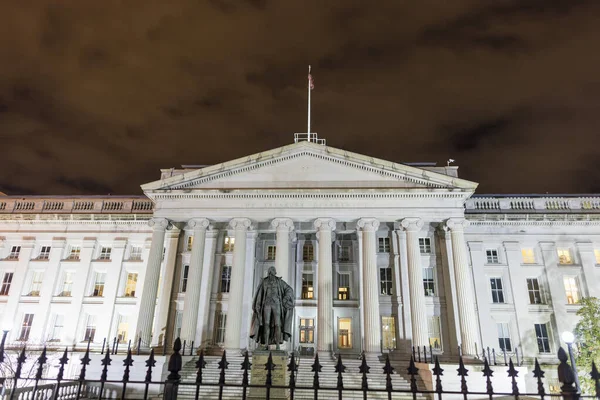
pixel 272 271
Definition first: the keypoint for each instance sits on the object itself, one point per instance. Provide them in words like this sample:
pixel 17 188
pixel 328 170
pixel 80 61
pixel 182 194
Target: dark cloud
pixel 84 185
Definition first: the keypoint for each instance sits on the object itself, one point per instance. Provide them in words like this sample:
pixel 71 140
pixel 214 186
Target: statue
pixel 273 311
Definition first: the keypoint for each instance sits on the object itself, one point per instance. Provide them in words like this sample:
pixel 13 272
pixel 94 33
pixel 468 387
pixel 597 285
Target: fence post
pixel 175 364
pixel 566 376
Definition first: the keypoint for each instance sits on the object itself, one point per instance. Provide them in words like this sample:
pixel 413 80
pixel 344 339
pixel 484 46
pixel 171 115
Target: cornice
pixel 320 194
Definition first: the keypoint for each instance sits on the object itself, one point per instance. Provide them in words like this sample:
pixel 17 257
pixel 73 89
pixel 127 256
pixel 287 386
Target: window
pixel 6 281
pixel 343 286
pixel 130 284
pixel 99 279
pixel 135 253
pixel 543 340
pixel 307 285
pixel 307 330
pixel 57 328
pixel 345 333
pixel 388 332
pixel 384 245
pixel 228 244
pixel 571 289
pixel 190 242
pixel 597 256
pixel 535 295
pixel 527 256
pixel 308 253
pixel 564 256
pixel 492 256
pixel 344 252
pixel 428 282
pixel 122 328
pixel 90 328
pixel 504 337
pixel 105 253
pixel 74 253
pixel 36 283
pixel 225 278
pixel 26 327
pixel 44 253
pixel 385 281
pixel 271 251
pixel 14 253
pixel 220 325
pixel 184 278
pixel 425 245
pixel 67 285
pixel 178 319
pixel 435 336
pixel 497 291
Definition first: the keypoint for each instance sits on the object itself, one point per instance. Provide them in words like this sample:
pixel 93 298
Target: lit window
pixel 383 244
pixel 271 251
pixel 105 253
pixel 428 282
pixel 425 245
pixel 122 328
pixel 435 336
pixel 504 337
pixel 6 281
pixel 228 244
pixel 343 286
pixel 57 328
pixel 14 253
pixel 492 256
pixel 535 294
pixel 131 284
pixel 26 327
pixel 135 254
pixel 497 291
pixel 345 333
pixel 184 278
pixel 36 283
pixel 225 278
pixel 527 256
pixel 90 328
pixel 307 286
pixel 564 256
pixel 99 280
pixel 67 285
pixel 44 253
pixel 571 289
pixel 308 253
pixel 307 330
pixel 190 242
pixel 344 253
pixel 385 281
pixel 388 332
pixel 543 339
pixel 597 255
pixel 220 325
pixel 74 253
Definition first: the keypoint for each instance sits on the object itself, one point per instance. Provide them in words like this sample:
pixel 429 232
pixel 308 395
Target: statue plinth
pixel 279 376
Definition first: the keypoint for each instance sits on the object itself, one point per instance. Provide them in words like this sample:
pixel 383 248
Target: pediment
pixel 307 165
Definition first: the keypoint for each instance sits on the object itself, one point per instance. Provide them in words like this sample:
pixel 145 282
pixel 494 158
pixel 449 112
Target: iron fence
pixel 173 387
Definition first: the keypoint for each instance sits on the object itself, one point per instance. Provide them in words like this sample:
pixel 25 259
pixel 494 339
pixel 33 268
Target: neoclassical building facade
pixel 382 257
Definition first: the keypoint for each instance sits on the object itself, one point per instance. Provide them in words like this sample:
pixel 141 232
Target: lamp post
pixel 569 338
pixel 2 345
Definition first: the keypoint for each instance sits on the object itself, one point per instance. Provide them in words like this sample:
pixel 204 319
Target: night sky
pixel 96 97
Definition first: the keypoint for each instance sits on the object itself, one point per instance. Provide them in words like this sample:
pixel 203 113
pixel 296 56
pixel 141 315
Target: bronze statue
pixel 273 308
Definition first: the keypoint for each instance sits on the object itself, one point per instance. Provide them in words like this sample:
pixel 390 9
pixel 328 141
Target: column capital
pixel 457 224
pixel 198 224
pixel 240 223
pixel 324 224
pixel 159 224
pixel 368 224
pixel 412 224
pixel 283 224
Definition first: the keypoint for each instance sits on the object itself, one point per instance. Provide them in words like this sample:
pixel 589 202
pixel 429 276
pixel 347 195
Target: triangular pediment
pixel 306 165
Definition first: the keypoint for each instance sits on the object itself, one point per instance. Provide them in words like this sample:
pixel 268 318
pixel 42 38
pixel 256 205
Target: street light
pixel 2 345
pixel 569 338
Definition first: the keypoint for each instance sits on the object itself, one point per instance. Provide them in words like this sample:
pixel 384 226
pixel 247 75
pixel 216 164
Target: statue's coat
pixel 286 295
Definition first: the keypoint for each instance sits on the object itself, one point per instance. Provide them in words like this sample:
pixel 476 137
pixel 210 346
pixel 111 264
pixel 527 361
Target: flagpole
pixel 308 83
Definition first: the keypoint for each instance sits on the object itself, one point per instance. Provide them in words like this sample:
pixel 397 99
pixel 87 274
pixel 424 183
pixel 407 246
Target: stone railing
pixel 533 204
pixel 76 205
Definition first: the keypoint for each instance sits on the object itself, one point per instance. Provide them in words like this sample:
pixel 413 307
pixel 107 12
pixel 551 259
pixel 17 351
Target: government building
pixel 382 257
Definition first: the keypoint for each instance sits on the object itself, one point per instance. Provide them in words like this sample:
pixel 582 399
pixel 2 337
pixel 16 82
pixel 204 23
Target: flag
pixel 311 83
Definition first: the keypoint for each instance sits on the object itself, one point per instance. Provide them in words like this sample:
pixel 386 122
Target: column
pixel 152 275
pixel 464 287
pixel 234 307
pixel 283 227
pixel 51 278
pixel 189 319
pixel 454 338
pixel 370 286
pixel 324 226
pixel 418 311
pixel 210 249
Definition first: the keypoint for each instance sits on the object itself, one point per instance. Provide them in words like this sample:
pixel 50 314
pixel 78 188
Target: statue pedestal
pixel 279 376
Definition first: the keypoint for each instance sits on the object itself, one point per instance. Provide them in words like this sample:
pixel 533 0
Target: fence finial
pixel 538 373
pixel 175 362
pixel 438 372
pixel 565 374
pixel 340 368
pixel 488 373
